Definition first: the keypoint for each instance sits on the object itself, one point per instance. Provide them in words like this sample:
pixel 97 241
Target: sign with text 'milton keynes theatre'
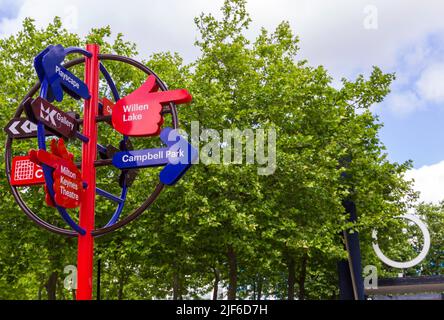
pixel 67 178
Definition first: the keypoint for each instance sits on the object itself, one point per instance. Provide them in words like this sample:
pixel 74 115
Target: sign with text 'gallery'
pixel 53 118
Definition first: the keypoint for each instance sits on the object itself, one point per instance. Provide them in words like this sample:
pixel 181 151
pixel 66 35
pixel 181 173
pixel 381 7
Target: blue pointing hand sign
pixel 58 78
pixel 178 157
pixel 38 65
pixel 177 166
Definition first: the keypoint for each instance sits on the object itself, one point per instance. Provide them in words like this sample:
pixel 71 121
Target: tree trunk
pixel 303 276
pixel 39 297
pixel 259 288
pixel 216 283
pixel 176 287
pixel 232 274
pixel 291 281
pixel 51 286
pixel 121 285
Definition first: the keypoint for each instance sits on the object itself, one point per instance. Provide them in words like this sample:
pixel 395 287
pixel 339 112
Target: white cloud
pixel 429 180
pixel 333 33
pixel 404 103
pixel 153 25
pixel 431 83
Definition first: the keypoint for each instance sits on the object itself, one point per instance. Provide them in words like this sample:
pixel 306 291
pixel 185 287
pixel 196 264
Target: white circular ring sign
pixel 418 259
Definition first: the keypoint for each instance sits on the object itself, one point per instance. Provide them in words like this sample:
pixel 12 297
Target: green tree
pixel 258 236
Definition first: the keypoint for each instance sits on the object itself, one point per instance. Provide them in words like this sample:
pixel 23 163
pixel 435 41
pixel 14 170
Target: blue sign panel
pixel 49 70
pixel 38 65
pixel 178 157
pixel 141 158
pixel 177 166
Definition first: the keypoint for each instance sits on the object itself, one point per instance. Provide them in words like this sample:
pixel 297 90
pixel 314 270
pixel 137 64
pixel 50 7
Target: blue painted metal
pixel 38 65
pixel 108 195
pixel 178 157
pixel 81 137
pixel 59 79
pixel 115 217
pixel 71 50
pixel 47 172
pixel 47 93
pixel 177 167
pixel 101 148
pixel 141 158
pixel 110 82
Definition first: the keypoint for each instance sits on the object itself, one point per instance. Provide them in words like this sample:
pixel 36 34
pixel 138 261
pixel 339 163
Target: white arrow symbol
pixel 12 127
pixel 28 127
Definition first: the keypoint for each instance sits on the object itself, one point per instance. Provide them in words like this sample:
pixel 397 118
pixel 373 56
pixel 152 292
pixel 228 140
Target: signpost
pixel 140 113
pixel 25 172
pixel 107 107
pixel 58 79
pixel 67 182
pixel 53 118
pixel 20 128
pixel 70 185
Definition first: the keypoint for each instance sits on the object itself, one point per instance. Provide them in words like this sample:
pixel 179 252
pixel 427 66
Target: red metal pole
pixel 85 253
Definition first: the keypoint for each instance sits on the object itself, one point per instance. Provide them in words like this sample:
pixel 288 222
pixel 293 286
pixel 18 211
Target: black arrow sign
pixel 21 128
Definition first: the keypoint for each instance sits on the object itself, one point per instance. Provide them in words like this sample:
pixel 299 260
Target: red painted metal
pixel 107 107
pixel 139 114
pixel 85 254
pixel 67 178
pixel 25 172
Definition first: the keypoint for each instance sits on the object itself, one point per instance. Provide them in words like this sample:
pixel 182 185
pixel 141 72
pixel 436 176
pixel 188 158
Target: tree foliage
pixel 225 226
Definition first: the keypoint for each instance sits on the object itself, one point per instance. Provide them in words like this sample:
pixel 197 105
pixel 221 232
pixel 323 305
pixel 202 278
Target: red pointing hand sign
pixel 67 178
pixel 139 113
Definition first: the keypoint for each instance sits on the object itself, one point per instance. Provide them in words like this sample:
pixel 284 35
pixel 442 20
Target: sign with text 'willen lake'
pixel 140 113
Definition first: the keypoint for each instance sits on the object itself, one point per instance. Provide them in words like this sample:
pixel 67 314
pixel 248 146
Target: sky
pixel 348 37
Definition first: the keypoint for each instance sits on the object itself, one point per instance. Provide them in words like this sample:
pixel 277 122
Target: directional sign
pixel 38 66
pixel 19 128
pixel 68 185
pixel 53 118
pixel 107 107
pixel 58 78
pixel 178 157
pixel 143 158
pixel 139 114
pixel 177 166
pixel 25 172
